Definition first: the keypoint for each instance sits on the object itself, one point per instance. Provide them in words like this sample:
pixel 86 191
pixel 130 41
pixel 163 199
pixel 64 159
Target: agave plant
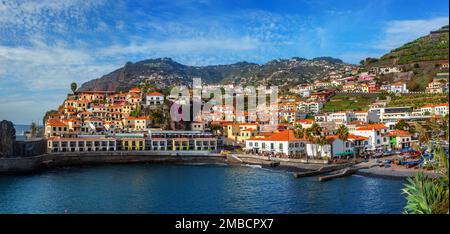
pixel 425 195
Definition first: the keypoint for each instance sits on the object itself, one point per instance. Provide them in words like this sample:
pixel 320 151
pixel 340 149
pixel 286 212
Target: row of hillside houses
pixel 102 112
pixel 439 84
pixel 369 137
pixel 377 113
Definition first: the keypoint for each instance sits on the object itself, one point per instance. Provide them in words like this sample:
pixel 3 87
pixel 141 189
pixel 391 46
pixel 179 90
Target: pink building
pixel 365 78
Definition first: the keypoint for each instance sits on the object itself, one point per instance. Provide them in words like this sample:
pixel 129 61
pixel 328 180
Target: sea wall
pixel 46 161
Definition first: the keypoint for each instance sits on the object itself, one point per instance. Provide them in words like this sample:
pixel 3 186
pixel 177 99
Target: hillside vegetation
pixel 418 100
pixel 433 47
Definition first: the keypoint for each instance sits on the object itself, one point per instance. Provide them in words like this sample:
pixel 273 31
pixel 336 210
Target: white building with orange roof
pixel 436 86
pixel 135 90
pixel 55 127
pixel 154 98
pixel 439 109
pixel 399 139
pixel 305 123
pixel 349 87
pixel 141 123
pixel 376 134
pixel 133 98
pixel 283 142
pixel 427 109
pixel 92 96
pixel 397 87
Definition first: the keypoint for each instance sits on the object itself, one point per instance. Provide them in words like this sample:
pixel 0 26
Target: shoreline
pixel 35 164
pixel 55 160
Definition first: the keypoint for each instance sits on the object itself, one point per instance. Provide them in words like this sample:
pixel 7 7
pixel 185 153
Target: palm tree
pixel 299 131
pixel 445 126
pixel 342 133
pixel 73 87
pixel 33 128
pixel 322 141
pixel 316 129
pixel 307 134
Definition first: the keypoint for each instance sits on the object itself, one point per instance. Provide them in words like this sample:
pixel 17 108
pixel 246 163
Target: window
pixel 280 146
pixel 250 144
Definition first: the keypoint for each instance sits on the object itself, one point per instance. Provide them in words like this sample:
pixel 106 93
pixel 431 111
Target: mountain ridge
pixel 165 72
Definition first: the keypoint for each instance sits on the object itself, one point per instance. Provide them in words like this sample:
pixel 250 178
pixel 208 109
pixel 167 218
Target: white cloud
pixel 29 14
pixel 43 67
pixel 399 32
pixel 183 46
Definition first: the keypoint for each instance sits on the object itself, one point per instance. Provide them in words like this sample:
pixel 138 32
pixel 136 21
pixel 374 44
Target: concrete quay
pixel 54 160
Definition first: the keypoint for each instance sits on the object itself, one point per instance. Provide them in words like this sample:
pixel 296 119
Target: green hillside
pixel 429 48
pixel 423 57
pixel 433 47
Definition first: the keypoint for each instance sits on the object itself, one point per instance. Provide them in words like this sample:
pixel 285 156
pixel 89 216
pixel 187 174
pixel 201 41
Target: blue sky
pixel 45 45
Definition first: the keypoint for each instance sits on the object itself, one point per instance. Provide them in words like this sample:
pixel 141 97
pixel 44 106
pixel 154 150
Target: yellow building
pixel 233 131
pixel 246 134
pixel 134 144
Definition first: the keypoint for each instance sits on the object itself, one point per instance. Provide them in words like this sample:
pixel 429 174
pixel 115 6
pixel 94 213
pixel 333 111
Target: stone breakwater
pixel 55 160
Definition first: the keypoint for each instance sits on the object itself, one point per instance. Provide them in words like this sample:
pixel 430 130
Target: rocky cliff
pixel 7 138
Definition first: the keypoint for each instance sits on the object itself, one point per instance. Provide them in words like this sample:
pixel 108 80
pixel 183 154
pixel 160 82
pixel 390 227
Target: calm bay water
pixel 21 128
pixel 146 188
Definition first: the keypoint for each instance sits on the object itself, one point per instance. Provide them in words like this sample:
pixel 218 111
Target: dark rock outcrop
pixel 7 138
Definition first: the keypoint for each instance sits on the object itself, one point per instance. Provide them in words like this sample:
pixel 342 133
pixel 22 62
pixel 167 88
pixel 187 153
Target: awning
pixel 344 153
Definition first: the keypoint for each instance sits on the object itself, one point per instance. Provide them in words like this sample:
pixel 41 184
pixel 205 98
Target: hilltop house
pixel 154 98
pixel 398 87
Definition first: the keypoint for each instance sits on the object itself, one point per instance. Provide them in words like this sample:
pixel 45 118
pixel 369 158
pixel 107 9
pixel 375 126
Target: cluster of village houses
pixel 103 121
pixel 365 82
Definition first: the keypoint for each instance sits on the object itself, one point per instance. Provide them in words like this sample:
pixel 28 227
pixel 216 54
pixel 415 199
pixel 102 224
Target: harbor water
pixel 150 188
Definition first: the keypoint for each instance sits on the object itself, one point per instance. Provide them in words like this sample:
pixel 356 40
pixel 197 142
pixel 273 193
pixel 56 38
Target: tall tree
pixel 402 125
pixel 33 128
pixel 342 133
pixel 322 141
pixel 73 87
